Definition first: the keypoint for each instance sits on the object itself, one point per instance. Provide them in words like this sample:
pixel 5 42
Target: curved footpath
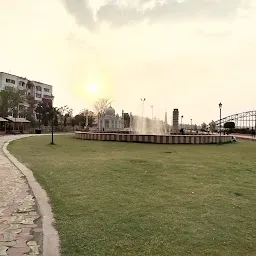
pixel 25 215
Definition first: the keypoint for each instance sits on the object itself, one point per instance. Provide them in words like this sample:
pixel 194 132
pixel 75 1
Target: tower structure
pixel 175 121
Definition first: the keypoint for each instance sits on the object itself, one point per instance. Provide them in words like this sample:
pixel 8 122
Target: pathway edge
pixel 51 245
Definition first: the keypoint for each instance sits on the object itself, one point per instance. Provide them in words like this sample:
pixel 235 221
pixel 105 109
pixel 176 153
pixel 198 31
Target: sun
pixel 92 88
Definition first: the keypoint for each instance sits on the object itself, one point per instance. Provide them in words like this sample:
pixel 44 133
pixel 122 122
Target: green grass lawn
pixel 112 198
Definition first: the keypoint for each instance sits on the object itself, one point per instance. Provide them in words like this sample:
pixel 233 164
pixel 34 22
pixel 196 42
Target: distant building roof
pixel 3 120
pixel 24 78
pixel 17 120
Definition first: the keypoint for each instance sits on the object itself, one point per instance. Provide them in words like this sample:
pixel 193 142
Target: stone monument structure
pixel 110 121
pixel 175 121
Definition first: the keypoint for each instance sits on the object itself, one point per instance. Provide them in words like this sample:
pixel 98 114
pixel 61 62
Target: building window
pixel 21 83
pixel 10 81
pixel 38 88
pixel 47 96
pixel 46 90
pixel 38 95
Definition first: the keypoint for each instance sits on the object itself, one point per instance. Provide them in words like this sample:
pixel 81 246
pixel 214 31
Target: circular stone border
pixel 156 139
pixel 51 245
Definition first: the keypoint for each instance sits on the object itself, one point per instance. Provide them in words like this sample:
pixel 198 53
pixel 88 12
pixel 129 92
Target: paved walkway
pixel 20 223
pixel 244 136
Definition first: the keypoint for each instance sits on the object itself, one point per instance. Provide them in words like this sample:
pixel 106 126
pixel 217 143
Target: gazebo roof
pixel 17 120
pixel 2 119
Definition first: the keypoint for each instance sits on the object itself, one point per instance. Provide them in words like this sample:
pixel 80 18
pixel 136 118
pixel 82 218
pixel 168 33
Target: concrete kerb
pixel 51 246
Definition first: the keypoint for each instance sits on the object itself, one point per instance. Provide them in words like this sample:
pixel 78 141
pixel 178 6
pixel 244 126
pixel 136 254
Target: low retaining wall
pixel 158 139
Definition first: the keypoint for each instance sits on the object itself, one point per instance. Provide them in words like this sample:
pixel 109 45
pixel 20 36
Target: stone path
pixel 20 224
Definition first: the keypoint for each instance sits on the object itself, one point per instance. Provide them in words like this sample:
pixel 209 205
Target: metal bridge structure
pixel 244 120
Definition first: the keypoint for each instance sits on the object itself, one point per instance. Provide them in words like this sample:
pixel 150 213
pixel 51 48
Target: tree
pixel 30 112
pixel 126 120
pixel 39 113
pixel 229 125
pixel 203 126
pixel 65 115
pixel 195 127
pixel 42 111
pixel 10 100
pixel 101 105
pixel 212 126
pixel 81 117
pixel 73 122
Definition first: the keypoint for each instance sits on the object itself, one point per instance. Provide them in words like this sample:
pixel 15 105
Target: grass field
pixel 113 198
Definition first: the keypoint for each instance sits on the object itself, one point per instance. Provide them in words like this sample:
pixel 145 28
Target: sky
pixel 185 54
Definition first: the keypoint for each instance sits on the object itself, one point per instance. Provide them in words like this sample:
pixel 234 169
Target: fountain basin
pixel 157 139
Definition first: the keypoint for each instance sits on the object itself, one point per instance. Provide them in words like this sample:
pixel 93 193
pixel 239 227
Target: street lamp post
pixel 152 108
pixel 143 101
pixel 181 122
pixel 220 107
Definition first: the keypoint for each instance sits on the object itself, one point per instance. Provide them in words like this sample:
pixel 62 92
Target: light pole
pixel 220 107
pixel 152 108
pixel 143 101
pixel 181 122
pixel 191 125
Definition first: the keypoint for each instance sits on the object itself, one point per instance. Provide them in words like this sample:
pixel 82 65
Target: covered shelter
pixel 17 123
pixel 3 123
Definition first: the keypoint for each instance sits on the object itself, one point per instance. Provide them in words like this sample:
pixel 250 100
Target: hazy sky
pixel 186 54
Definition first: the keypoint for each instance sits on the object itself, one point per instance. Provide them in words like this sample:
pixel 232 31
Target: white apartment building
pixel 40 91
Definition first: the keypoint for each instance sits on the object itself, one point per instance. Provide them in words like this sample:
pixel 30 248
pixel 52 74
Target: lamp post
pixel 220 107
pixel 181 121
pixel 52 115
pixel 191 125
pixel 152 108
pixel 143 101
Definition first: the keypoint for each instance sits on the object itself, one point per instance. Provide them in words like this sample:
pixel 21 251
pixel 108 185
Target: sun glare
pixel 92 88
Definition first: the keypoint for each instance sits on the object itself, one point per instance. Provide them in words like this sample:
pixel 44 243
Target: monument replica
pixel 110 121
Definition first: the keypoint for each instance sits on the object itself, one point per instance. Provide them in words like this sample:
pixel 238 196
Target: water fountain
pixel 147 130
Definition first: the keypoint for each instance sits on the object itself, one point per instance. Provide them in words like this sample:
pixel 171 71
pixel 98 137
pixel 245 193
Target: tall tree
pixel 83 114
pixel 203 126
pixel 65 114
pixel 126 120
pixel 42 111
pixel 212 126
pixel 101 105
pixel 230 125
pixel 10 100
